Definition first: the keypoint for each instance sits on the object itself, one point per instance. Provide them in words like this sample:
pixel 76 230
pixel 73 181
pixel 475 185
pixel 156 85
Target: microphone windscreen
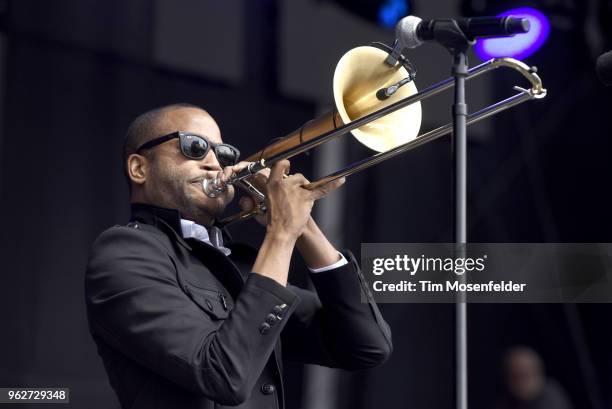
pixel 604 68
pixel 406 32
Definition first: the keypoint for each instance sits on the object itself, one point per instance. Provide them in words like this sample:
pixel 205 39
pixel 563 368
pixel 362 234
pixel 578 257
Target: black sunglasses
pixel 196 147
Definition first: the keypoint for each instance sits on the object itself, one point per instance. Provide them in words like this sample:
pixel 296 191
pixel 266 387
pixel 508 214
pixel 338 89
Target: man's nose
pixel 210 162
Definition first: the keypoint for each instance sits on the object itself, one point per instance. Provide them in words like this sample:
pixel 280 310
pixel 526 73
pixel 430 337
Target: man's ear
pixel 137 166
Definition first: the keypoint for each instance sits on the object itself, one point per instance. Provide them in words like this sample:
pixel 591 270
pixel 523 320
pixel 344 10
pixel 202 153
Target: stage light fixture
pixel 391 11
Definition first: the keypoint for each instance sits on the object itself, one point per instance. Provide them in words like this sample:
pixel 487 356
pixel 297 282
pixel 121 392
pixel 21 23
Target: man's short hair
pixel 144 128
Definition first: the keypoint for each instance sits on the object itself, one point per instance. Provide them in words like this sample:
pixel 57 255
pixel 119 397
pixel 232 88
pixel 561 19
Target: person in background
pixel 526 384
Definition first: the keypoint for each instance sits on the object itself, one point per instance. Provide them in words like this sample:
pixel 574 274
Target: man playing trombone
pixel 182 317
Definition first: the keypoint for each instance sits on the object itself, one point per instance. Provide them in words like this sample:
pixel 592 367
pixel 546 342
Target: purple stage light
pixel 521 45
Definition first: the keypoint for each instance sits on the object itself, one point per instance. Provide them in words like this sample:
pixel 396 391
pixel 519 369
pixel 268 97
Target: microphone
pixel 385 93
pixel 604 68
pixel 411 31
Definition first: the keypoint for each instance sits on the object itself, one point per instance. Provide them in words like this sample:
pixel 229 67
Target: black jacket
pixel 180 325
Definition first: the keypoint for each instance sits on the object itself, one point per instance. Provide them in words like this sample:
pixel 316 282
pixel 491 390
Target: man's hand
pixel 289 206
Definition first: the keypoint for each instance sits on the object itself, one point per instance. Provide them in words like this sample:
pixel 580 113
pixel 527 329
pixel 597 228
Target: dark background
pixel 74 73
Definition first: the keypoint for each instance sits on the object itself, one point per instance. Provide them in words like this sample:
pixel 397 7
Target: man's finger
pixel 279 169
pixel 323 190
pixel 259 177
pixel 239 166
pixel 298 179
pixel 225 174
pixel 228 171
pixel 264 172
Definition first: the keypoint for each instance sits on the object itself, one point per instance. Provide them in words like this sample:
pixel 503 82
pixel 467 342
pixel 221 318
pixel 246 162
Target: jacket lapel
pixel 221 266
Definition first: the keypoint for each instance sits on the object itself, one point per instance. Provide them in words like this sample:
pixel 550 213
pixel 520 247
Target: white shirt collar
pixel 192 230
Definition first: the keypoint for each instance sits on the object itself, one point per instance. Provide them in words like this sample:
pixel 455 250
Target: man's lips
pixel 199 179
pixel 197 184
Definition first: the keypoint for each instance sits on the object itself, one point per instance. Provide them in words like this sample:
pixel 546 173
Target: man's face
pixel 175 181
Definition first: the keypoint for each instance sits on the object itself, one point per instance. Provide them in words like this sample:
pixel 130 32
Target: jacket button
pixel 271 319
pixel 264 328
pixel 267 389
pixel 279 309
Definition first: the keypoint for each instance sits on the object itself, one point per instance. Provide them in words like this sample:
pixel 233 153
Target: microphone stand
pixel 448 34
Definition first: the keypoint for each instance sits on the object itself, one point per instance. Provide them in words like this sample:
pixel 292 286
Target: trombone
pixel 389 126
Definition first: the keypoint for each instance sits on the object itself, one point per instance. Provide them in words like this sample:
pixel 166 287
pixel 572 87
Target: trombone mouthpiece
pixel 212 187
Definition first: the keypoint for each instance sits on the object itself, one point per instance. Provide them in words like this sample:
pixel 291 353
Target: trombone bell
pixel 360 73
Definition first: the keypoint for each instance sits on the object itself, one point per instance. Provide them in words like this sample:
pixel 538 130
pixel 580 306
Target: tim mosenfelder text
pixel 458 266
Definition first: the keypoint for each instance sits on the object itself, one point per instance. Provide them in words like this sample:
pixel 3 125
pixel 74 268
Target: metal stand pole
pixel 460 70
pixel 448 34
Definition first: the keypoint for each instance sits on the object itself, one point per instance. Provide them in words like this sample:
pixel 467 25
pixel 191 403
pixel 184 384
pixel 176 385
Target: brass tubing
pixel 356 167
pixel 421 140
pixel 289 149
pixel 310 130
pixel 331 121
